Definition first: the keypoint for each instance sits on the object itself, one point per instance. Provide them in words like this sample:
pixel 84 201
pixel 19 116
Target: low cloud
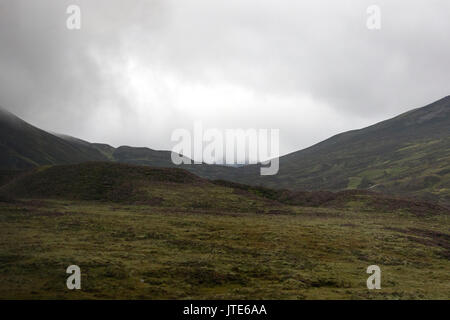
pixel 136 70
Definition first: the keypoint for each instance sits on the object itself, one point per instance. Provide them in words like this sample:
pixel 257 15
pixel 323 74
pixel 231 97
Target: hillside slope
pixel 24 146
pixel 130 184
pixel 178 188
pixel 95 181
pixel 408 154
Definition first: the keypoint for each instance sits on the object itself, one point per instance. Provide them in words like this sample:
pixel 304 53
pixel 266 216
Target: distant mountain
pixel 143 156
pixel 405 155
pixel 408 154
pixel 155 158
pixel 105 149
pixel 162 158
pixel 24 146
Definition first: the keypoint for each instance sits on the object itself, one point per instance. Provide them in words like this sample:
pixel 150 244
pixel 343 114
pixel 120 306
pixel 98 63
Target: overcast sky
pixel 137 70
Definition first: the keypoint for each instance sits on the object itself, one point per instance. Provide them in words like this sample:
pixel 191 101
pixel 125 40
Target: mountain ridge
pixel 397 144
pixel 407 155
pixel 23 146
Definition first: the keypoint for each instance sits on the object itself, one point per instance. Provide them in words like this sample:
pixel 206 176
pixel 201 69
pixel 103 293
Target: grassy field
pixel 151 233
pixel 179 250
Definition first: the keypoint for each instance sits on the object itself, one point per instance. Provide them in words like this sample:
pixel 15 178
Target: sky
pixel 138 70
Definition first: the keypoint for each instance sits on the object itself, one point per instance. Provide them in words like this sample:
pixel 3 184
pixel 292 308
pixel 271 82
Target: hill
pixel 95 181
pixel 24 146
pixel 111 182
pixel 174 187
pixel 405 155
pixel 408 155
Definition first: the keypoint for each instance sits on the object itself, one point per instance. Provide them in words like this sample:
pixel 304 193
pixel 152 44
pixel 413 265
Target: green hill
pixel 406 155
pixel 174 187
pixel 130 184
pixel 24 146
pixel 96 181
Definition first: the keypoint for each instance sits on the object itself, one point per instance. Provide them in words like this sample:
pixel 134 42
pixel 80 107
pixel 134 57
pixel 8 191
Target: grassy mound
pixel 95 181
pixel 178 188
pixel 130 184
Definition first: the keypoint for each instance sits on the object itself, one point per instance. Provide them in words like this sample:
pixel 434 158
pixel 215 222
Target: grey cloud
pixel 138 69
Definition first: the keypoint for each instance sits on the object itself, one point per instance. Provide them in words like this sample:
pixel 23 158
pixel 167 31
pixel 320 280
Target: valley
pixel 140 227
pixel 177 236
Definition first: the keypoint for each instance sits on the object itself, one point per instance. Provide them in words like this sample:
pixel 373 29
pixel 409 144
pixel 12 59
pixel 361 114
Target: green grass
pixel 153 233
pixel 353 182
pixel 180 252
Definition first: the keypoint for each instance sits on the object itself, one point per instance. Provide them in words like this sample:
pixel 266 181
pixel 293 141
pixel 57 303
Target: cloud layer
pixel 137 70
